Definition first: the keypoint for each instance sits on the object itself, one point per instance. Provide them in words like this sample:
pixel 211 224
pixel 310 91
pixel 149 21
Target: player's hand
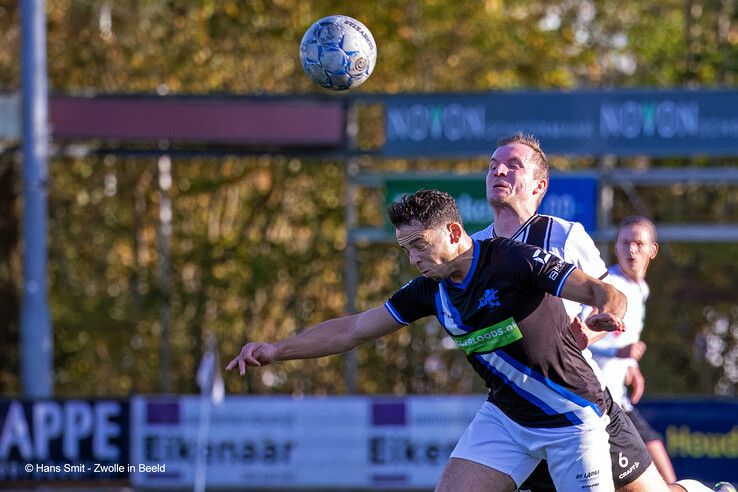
pixel 583 335
pixel 634 378
pixel 580 332
pixel 254 354
pixel 605 322
pixel 632 351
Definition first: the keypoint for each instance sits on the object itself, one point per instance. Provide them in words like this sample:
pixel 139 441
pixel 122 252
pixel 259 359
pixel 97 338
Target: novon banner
pixel 622 122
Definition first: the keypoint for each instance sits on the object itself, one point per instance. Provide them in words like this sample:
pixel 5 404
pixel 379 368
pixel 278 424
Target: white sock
pixel 692 486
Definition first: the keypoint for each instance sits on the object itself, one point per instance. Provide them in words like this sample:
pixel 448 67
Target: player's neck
pixel 631 275
pixel 508 220
pixel 462 263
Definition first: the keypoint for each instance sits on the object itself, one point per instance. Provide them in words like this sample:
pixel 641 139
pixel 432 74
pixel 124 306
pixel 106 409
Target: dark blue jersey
pixel 515 332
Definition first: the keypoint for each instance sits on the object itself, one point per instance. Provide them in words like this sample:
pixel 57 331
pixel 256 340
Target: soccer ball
pixel 338 52
pixel 723 487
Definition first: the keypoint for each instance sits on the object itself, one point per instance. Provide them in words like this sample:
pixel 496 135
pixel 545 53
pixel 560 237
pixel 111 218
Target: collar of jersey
pixel 520 229
pixel 619 271
pixel 470 273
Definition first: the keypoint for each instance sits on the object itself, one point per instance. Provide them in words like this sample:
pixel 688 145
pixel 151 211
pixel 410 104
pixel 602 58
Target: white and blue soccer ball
pixel 338 52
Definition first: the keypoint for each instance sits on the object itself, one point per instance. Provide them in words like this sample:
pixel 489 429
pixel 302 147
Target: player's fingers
pixel 578 329
pixel 232 364
pixel 241 366
pixel 581 340
pixel 638 350
pixel 636 397
pixel 251 358
pixel 638 393
pixel 252 361
pixel 605 321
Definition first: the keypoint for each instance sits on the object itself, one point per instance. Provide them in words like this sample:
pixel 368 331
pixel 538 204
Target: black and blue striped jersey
pixel 514 331
pixel 566 239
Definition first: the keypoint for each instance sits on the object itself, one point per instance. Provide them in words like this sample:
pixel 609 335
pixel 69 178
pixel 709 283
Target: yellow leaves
pixel 494 7
pixel 231 9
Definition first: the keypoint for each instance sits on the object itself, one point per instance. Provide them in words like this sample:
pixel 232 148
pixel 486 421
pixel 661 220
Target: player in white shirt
pixel 516 182
pixel 617 356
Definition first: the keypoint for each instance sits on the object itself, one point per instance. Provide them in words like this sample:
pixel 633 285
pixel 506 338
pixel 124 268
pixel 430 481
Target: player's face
pixel 429 250
pixel 635 249
pixel 511 177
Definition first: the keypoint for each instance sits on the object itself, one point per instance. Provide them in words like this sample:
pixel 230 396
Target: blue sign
pixel 701 436
pixel 571 196
pixel 635 122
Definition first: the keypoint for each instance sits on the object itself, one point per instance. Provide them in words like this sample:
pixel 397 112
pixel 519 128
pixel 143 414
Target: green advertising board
pixel 468 191
pixel 571 196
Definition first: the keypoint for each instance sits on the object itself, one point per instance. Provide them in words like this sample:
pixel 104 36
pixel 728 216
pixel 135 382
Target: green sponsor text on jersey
pixel 489 338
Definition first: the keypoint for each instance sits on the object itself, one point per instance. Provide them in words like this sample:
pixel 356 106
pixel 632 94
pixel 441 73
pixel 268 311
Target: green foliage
pixel 257 245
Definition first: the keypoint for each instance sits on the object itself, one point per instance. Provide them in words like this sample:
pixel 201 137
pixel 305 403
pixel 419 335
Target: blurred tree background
pixel 257 243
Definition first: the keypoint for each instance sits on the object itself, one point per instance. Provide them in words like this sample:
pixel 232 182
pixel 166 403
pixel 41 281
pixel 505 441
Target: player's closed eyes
pixel 638 245
pixel 514 164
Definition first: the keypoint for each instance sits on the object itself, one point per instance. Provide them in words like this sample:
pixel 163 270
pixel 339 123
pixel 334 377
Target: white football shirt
pixel 615 368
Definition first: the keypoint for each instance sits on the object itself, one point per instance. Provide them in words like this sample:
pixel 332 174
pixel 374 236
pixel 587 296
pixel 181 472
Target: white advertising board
pixel 285 442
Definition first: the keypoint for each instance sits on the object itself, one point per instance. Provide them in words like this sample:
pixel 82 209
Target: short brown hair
pixel 430 208
pixel 638 219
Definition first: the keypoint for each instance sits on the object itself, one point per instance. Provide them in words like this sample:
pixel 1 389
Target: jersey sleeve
pixel 580 250
pixel 532 267
pixel 413 301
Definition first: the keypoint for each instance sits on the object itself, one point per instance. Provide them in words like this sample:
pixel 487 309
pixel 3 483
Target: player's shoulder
pixel 506 251
pixel 420 283
pixel 567 234
pixel 485 233
pixel 561 226
pixel 497 243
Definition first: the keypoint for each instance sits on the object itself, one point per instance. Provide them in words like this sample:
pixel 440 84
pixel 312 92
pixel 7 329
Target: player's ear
pixel 540 187
pixel 654 250
pixel 455 231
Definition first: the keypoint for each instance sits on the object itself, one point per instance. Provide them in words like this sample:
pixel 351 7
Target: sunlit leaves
pixel 258 243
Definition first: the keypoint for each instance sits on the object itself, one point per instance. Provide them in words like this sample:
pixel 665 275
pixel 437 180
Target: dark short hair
pixel 638 219
pixel 542 171
pixel 429 208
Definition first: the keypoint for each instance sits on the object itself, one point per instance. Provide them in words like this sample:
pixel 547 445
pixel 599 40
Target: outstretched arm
pixel 333 336
pixel 609 303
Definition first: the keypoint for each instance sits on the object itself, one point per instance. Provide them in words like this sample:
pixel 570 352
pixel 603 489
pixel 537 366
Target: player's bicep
pixel 375 323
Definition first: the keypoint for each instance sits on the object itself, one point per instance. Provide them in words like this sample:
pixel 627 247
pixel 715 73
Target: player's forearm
pixel 604 297
pixel 330 337
pixel 610 300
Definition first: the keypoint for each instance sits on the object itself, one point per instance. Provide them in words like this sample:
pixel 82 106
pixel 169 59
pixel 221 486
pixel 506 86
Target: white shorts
pixel 578 456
